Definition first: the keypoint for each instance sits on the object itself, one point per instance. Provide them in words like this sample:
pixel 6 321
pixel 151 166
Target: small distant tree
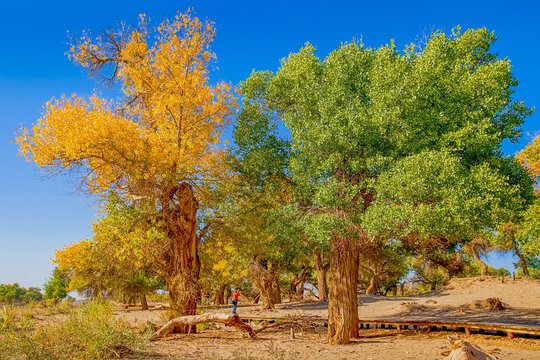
pixel 33 294
pixel 56 287
pixel 11 293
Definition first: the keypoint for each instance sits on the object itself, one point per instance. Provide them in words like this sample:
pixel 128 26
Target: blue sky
pixel 39 214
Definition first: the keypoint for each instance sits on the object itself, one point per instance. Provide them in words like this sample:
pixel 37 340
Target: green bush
pixel 533 273
pixel 87 333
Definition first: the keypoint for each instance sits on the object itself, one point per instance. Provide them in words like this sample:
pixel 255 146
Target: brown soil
pixel 460 300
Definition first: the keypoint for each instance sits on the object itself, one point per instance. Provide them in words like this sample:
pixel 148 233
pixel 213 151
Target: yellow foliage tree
pixel 119 259
pixel 530 158
pixel 159 145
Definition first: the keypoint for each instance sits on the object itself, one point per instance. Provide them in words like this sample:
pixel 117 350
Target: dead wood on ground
pixel 232 320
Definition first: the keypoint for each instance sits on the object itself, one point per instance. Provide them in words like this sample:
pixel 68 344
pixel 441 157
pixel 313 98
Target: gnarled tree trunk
pixel 322 286
pixel 343 301
pixel 267 281
pixel 179 208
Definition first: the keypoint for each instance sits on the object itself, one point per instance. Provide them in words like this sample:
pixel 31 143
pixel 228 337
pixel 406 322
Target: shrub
pixel 89 332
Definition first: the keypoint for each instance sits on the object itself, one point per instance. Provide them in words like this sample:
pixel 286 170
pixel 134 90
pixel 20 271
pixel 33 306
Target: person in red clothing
pixel 236 295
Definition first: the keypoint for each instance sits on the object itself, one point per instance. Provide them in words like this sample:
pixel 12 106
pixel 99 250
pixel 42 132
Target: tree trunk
pixel 372 288
pixel 219 296
pixel 296 292
pixel 275 290
pixel 265 285
pixel 300 291
pixel 322 286
pixel 522 262
pixel 343 301
pixel 182 257
pixel 294 286
pixel 227 294
pixel 267 281
pixel 301 282
pixel 144 304
pixel 479 261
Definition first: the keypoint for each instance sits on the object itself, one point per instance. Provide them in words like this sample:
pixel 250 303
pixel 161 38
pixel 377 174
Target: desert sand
pixel 460 300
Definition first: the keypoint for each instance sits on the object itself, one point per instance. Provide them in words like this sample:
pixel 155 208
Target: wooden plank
pixel 534 330
pixel 510 329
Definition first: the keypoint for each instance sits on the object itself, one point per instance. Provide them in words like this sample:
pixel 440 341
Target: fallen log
pixel 228 320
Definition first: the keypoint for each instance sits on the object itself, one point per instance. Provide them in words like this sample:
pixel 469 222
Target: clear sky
pixel 39 214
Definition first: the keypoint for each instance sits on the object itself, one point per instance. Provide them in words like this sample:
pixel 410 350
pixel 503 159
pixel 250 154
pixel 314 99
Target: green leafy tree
pixel 522 237
pixel 56 288
pixel 398 146
pixel 11 293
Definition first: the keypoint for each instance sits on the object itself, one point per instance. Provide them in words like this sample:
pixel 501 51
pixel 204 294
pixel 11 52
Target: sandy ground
pixel 461 300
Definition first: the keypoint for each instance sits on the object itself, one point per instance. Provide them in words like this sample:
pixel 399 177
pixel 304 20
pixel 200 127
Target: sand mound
pixel 412 308
pixel 519 293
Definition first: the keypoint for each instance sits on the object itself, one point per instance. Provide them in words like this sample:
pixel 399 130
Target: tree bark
pixel 182 257
pixel 322 286
pixel 275 290
pixel 479 261
pixel 343 301
pixel 144 304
